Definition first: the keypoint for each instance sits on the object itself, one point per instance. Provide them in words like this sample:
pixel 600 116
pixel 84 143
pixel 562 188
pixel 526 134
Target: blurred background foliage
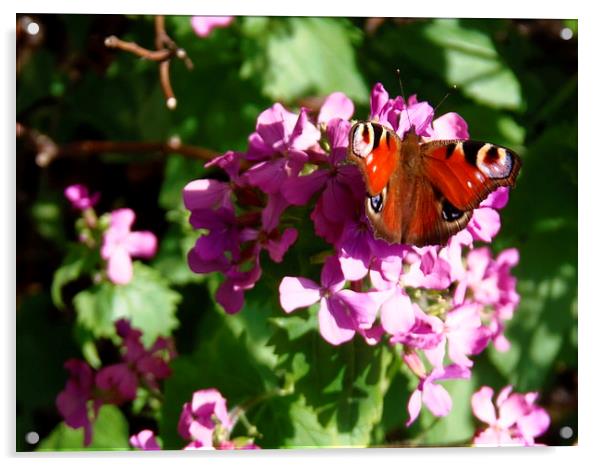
pixel 515 84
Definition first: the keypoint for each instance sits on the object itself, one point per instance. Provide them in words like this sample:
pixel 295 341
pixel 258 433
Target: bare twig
pixel 47 150
pixel 166 49
pixel 114 42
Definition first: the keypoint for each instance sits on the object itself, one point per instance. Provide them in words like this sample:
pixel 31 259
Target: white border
pixel 590 167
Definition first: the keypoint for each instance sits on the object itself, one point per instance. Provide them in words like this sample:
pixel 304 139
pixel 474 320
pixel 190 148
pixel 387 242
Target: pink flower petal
pixel 513 408
pixel 482 405
pixel 484 224
pixel 201 434
pixel 230 297
pixel 209 402
pixel 277 248
pixel 296 292
pixel 497 199
pixel 337 132
pixel 414 406
pixel 270 216
pixel 205 194
pixel 203 25
pixel 420 116
pixel 534 424
pixel 436 399
pixel 362 306
pixel 269 175
pixel 145 440
pixel 449 126
pixel 331 276
pixel 122 220
pixel 397 313
pixel 275 126
pixel 120 270
pixel 336 105
pixel 378 98
pixel 141 244
pixel 300 189
pixel 305 134
pixel 335 326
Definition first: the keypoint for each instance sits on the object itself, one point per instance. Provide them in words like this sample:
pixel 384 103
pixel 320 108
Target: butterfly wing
pixel 375 149
pixel 466 172
pixel 455 177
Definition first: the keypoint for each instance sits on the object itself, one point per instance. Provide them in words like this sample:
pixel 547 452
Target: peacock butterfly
pixel 422 193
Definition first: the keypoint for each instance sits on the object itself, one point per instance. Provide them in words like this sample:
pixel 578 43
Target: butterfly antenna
pixel 454 88
pixel 405 102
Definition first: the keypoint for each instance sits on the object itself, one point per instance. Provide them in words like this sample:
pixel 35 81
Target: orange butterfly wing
pixel 466 172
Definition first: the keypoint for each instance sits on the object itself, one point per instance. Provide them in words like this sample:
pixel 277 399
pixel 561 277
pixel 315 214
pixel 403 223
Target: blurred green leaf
pixel 110 432
pixel 473 64
pixel 79 260
pixel 303 56
pixel 146 301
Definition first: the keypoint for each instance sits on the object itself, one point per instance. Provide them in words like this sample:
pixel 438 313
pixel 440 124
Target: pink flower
pixel 492 285
pixel 80 197
pixel 342 312
pixel 145 440
pixel 434 396
pixel 148 365
pixel 73 401
pixel 464 335
pixel 485 222
pixel 428 269
pixel 426 333
pixel 517 422
pixel 399 115
pixel 120 244
pixel 199 417
pixel 279 145
pixel 118 382
pixel 203 25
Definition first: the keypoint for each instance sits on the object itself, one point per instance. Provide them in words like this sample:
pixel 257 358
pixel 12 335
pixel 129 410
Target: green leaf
pixel 474 64
pixel 146 301
pixel 110 432
pixel 457 52
pixel 339 389
pixel 301 56
pixel 546 237
pixel 79 260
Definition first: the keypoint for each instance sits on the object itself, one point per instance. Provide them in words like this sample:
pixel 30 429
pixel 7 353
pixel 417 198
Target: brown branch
pixel 47 150
pixel 166 50
pixel 114 42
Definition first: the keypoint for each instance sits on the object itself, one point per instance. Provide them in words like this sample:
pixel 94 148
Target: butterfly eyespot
pixel 449 212
pixel 376 203
pixel 362 140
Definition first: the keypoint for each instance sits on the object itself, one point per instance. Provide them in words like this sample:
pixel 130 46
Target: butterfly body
pixel 422 193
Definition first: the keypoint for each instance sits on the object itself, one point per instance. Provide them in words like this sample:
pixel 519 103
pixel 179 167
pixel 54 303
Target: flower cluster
pixel 204 422
pixel 87 390
pixel 517 420
pixel 112 232
pixel 440 304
